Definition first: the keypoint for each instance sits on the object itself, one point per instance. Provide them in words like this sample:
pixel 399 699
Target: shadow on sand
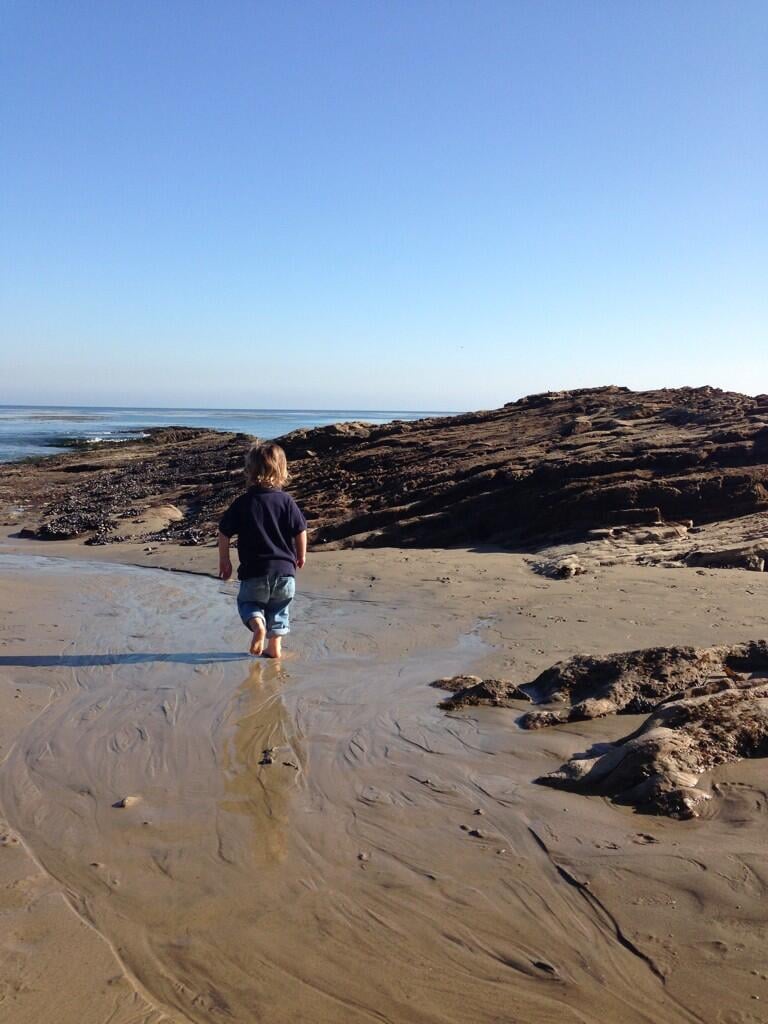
pixel 87 660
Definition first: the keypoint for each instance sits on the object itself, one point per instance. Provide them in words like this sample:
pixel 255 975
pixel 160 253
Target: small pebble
pixel 127 801
pixel 363 856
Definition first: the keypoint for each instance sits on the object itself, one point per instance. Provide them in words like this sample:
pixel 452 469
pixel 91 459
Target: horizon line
pixel 215 408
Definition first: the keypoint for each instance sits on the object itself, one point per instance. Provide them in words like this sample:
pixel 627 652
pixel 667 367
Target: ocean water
pixel 45 430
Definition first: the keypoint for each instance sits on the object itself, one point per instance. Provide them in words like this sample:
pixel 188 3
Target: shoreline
pixel 112 425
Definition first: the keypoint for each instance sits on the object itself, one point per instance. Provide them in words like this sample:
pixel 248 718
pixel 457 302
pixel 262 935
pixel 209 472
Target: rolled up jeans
pixel 268 598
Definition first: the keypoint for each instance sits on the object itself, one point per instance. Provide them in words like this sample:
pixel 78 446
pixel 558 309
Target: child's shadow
pixel 138 658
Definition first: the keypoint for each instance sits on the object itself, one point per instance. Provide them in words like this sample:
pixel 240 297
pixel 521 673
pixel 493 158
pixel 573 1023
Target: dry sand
pixel 301 844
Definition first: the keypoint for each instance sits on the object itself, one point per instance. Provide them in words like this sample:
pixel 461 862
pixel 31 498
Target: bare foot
pixel 274 647
pixel 259 634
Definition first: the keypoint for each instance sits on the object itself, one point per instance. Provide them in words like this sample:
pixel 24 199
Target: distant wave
pixel 40 430
pixel 44 417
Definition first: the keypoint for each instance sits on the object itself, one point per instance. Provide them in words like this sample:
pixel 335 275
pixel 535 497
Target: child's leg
pixel 259 629
pixel 277 615
pixel 252 600
pixel 274 647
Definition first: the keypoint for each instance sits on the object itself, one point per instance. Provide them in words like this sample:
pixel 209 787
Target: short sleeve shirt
pixel 265 521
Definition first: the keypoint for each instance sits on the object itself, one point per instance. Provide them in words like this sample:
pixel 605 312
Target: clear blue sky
pixel 380 203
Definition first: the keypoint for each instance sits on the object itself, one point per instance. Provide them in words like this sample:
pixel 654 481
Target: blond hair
pixel 266 465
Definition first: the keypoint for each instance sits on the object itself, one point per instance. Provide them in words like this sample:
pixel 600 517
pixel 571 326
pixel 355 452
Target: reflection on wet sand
pixel 261 763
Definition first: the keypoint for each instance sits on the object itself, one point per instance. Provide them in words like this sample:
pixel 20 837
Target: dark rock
pixel 471 691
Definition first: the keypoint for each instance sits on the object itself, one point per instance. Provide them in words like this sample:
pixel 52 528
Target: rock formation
pixel 657 768
pixel 472 690
pixel 706 706
pixel 557 463
pixel 630 682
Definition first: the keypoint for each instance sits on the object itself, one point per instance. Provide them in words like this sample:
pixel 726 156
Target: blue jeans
pixel 267 598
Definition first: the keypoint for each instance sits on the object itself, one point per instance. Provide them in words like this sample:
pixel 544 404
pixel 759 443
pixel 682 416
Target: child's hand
pixel 225 568
pixel 300 548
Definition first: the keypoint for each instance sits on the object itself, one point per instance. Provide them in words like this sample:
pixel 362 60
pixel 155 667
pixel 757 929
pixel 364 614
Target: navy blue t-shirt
pixel 265 520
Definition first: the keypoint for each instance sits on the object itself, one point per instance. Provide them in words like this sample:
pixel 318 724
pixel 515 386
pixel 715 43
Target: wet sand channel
pixel 315 841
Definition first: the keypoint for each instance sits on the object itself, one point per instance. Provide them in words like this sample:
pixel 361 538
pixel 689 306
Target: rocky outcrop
pixel 630 682
pixel 706 707
pixel 752 556
pixel 558 463
pixel 471 691
pixel 196 470
pixel 561 463
pixel 657 768
pixel 633 682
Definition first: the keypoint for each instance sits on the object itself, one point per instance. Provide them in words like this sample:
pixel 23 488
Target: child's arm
pixel 300 546
pixel 225 563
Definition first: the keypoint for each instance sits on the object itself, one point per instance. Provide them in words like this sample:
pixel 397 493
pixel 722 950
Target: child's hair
pixel 266 464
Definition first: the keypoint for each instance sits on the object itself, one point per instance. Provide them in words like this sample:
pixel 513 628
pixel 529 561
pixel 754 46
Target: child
pixel 272 544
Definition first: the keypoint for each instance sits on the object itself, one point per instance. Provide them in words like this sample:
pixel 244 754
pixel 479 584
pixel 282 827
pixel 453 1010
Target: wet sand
pixel 301 844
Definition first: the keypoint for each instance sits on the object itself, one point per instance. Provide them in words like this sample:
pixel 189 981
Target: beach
pixel 454 311
pixel 559 830
pixel 319 841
